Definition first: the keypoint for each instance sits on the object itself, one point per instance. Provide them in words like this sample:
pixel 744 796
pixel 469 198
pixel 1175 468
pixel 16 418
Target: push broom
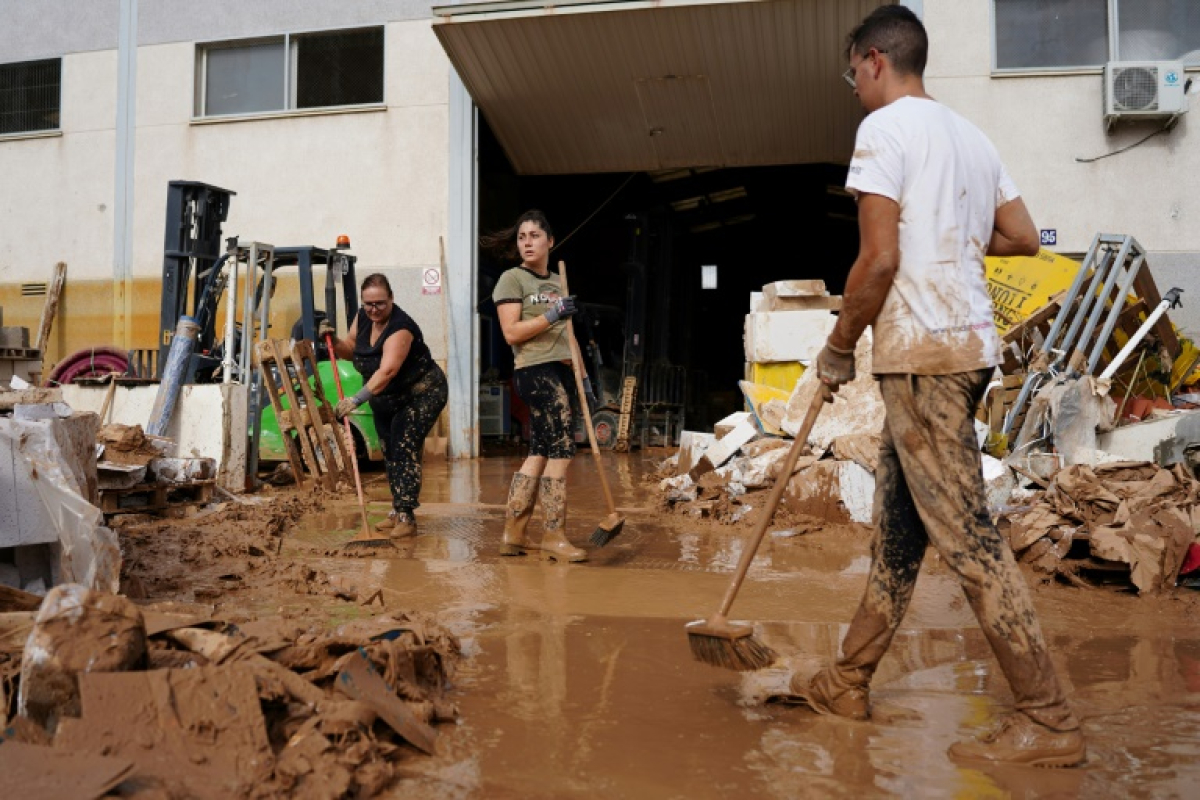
pixel 611 525
pixel 716 640
pixel 366 538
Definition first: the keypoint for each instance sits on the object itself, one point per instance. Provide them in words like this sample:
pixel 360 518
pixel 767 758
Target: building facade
pixel 362 119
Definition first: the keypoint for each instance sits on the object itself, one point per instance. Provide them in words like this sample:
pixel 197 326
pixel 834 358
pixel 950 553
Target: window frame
pixel 1112 14
pixel 40 133
pixel 290 40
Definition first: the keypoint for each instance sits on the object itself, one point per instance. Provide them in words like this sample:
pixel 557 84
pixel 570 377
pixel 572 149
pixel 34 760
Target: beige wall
pixel 1042 124
pixel 379 176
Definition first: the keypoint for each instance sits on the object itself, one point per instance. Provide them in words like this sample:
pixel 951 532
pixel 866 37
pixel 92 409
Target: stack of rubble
pixel 103 693
pixel 725 475
pixel 136 474
pixel 785 329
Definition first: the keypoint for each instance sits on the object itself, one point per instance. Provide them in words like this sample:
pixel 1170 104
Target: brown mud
pixel 577 679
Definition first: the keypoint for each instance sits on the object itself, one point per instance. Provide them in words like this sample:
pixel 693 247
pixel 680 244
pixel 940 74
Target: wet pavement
pixel 579 681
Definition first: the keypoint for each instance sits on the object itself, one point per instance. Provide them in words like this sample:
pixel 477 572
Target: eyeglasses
pixel 374 306
pixel 848 75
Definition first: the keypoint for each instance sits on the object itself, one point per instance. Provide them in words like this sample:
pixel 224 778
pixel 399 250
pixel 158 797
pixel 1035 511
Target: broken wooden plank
pixel 50 308
pixel 358 680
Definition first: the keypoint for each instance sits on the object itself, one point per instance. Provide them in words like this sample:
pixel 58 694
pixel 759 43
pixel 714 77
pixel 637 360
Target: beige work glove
pixel 835 366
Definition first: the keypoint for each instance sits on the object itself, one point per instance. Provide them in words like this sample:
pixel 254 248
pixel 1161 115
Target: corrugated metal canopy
pixel 642 86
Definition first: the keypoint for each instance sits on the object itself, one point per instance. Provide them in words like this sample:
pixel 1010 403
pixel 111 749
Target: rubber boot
pixel 554 504
pixel 522 495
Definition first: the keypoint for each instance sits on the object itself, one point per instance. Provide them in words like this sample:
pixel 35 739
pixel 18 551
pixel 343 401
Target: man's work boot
pixel 1020 740
pixel 830 693
pixel 522 495
pixel 554 504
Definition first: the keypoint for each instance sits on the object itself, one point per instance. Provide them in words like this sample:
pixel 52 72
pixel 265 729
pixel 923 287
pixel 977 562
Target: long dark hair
pixel 503 244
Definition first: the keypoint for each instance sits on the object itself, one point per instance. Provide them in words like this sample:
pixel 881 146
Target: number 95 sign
pixel 1049 237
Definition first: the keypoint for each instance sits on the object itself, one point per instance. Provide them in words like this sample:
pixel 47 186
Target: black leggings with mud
pixel 929 490
pixel 402 422
pixel 548 390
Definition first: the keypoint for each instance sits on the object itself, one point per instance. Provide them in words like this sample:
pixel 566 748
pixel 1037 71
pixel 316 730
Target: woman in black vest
pixel 406 388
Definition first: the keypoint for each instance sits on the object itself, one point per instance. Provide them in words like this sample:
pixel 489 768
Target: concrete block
pixel 14 337
pixel 729 423
pixel 804 303
pixel 724 448
pixel 756 302
pixel 1162 441
pixel 836 491
pixel 692 445
pixel 786 335
pixel 793 288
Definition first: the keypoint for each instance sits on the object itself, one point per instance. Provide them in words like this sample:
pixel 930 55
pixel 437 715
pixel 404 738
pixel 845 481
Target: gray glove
pixel 345 406
pixel 325 328
pixel 562 308
pixel 835 366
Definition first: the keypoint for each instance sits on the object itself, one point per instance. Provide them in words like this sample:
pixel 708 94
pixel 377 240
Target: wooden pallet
pixel 308 426
pixel 624 422
pixel 149 498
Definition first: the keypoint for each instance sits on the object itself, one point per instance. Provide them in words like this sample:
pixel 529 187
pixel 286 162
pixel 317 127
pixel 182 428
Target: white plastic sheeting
pixel 90 554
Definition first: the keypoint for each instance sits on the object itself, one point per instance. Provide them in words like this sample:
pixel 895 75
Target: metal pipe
pixel 1099 275
pixel 178 358
pixel 1118 307
pixel 1095 314
pixel 1171 299
pixel 227 361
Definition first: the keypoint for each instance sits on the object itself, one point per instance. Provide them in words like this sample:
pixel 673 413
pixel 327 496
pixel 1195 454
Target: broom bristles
pixel 607 530
pixel 741 654
pixel 373 543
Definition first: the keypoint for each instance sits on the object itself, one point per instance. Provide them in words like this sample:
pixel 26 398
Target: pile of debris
pixel 1131 518
pixel 725 475
pixel 97 692
pixel 1080 483
pixel 138 475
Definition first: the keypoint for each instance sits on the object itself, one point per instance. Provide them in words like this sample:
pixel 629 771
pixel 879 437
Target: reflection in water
pixel 580 683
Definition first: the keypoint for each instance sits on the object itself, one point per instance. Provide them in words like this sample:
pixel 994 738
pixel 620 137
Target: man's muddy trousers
pixel 402 422
pixel 929 490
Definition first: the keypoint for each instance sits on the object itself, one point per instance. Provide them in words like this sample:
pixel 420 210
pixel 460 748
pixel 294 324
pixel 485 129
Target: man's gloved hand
pixel 835 366
pixel 344 407
pixel 562 308
pixel 325 328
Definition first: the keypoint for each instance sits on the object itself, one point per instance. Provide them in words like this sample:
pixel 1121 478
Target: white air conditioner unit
pixel 1138 90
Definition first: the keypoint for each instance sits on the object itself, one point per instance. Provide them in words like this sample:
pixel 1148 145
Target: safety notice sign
pixel 431 281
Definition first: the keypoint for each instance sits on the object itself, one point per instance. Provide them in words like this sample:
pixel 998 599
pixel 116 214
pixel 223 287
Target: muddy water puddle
pixel 577 706
pixel 579 681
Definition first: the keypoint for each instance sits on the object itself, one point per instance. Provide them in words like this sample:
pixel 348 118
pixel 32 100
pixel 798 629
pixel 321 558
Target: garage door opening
pixel 638 247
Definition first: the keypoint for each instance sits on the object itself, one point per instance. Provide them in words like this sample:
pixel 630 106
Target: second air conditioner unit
pixel 1139 90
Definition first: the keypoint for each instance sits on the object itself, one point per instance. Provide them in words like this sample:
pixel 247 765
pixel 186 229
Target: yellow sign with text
pixel 1021 285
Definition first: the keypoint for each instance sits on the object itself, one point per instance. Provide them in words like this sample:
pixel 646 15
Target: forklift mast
pixel 192 250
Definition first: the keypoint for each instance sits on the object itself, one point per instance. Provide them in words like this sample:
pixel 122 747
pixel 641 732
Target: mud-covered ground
pixel 577 680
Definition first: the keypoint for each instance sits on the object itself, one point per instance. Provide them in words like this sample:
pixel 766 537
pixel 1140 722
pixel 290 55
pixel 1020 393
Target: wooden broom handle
pixel 583 404
pixel 822 396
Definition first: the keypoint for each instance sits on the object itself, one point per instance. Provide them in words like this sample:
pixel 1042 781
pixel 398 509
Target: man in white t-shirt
pixel 933 200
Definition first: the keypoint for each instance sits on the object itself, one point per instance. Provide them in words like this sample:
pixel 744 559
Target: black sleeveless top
pixel 367 357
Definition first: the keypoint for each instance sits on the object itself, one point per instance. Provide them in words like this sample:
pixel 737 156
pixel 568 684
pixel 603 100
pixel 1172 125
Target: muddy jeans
pixel 549 391
pixel 929 490
pixel 402 422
